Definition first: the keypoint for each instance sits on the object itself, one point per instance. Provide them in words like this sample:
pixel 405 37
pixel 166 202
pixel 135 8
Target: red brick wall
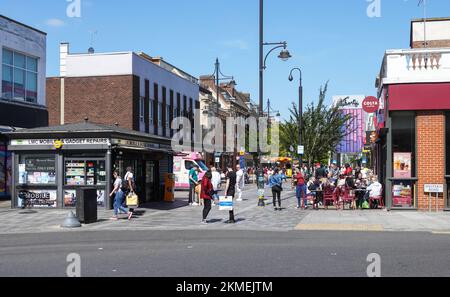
pixel 430 154
pixel 105 100
pixel 53 91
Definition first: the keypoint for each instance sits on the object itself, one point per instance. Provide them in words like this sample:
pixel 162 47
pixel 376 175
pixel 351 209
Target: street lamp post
pixel 300 111
pixel 219 76
pixel 284 55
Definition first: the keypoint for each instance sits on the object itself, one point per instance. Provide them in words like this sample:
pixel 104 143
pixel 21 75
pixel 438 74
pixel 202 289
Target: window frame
pixel 26 72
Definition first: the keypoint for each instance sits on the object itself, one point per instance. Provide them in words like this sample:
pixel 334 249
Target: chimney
pixel 208 80
pixel 63 52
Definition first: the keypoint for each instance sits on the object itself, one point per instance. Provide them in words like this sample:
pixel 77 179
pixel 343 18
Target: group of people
pixel 360 183
pixel 210 185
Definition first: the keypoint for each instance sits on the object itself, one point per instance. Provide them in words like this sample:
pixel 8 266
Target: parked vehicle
pixel 182 163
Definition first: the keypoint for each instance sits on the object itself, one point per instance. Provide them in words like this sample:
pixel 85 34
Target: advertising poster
pixel 38 198
pixel 70 198
pixel 402 165
pixel 2 170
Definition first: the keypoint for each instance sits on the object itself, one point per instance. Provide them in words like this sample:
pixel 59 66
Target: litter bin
pixel 87 205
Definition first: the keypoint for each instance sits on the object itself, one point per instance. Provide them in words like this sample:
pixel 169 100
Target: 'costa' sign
pixel 370 104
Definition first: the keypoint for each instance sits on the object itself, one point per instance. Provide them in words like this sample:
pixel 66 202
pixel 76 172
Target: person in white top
pixel 216 180
pixel 118 198
pixel 375 188
pixel 129 184
pixel 240 182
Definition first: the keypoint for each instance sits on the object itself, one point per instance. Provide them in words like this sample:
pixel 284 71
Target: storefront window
pixel 447 150
pixel 85 172
pixel 404 163
pixel 35 175
pixel 37 170
pixel 403 193
pixel 3 170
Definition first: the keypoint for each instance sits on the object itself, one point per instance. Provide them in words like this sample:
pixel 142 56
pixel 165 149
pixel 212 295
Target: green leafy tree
pixel 323 129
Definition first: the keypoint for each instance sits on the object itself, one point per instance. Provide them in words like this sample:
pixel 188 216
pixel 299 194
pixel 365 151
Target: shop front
pixel 50 164
pixel 5 169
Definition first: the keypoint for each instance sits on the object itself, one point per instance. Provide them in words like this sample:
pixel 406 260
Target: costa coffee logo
pixel 370 104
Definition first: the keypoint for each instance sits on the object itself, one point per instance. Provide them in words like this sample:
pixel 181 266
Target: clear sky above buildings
pixel 331 40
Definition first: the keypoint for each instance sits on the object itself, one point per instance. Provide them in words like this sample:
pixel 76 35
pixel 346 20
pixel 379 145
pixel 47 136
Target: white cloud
pixel 55 23
pixel 236 44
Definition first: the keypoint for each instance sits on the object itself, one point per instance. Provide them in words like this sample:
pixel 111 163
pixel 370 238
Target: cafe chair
pixel 331 196
pixel 348 197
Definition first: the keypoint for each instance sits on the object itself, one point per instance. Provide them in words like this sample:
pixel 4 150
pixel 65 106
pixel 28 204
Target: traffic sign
pixel 301 150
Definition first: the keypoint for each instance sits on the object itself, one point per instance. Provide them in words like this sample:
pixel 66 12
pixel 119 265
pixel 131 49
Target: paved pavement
pixel 219 253
pixel 179 216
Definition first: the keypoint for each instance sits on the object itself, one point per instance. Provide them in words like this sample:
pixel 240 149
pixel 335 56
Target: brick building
pixel 413 124
pixel 132 91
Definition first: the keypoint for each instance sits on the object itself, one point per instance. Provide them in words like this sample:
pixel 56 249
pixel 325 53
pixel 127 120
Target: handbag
pixel 198 189
pixel 132 199
pixel 277 188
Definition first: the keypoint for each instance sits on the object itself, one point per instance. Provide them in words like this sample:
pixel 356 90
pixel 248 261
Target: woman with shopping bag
pixel 128 187
pixel 118 198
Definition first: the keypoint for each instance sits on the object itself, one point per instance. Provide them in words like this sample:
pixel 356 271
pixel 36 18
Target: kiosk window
pixel 35 170
pixel 85 172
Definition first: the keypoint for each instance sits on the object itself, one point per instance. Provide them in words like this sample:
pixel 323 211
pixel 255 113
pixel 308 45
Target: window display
pixel 75 173
pixel 37 170
pixel 403 194
pixel 85 172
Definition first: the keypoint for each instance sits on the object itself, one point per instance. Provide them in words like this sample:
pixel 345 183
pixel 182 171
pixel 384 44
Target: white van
pixel 182 164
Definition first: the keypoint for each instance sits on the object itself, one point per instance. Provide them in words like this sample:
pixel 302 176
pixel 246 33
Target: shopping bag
pixel 225 203
pixel 132 200
pixel 365 205
pixel 198 189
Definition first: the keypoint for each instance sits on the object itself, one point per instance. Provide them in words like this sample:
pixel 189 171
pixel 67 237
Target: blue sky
pixel 331 40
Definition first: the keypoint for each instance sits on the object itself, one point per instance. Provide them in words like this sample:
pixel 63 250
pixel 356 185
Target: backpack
pixel 126 185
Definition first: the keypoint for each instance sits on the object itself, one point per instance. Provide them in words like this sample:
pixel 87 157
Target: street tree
pixel 323 128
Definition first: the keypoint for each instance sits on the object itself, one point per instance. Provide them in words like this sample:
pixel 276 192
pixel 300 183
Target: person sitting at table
pixel 374 190
pixel 361 185
pixel 311 187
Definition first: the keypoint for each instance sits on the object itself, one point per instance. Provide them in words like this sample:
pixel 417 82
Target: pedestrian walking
pixel 129 185
pixel 119 197
pixel 193 183
pixel 230 190
pixel 240 182
pixel 276 184
pixel 207 193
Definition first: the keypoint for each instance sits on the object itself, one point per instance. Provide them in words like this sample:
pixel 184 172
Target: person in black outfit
pixel 230 191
